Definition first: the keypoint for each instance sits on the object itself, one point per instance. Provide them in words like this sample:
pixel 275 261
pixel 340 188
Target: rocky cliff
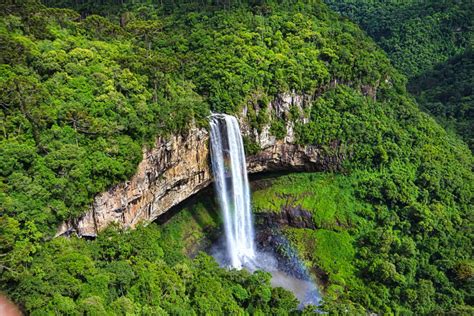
pixel 178 167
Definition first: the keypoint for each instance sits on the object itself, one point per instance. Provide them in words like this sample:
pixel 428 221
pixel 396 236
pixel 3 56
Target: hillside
pixel 430 42
pixel 447 93
pixel 82 94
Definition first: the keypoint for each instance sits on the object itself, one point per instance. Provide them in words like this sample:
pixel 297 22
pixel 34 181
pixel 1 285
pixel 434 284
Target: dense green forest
pixel 431 42
pixel 82 94
pixel 144 272
pixel 447 93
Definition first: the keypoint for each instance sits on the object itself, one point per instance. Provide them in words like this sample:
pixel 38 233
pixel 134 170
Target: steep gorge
pixel 178 167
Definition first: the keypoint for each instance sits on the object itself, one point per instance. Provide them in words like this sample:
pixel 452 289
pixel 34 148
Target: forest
pixel 85 85
pixel 431 42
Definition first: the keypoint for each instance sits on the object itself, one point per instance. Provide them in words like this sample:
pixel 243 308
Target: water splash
pixel 231 183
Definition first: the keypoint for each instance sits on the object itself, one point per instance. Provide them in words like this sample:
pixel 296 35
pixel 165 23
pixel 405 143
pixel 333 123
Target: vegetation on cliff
pixel 81 94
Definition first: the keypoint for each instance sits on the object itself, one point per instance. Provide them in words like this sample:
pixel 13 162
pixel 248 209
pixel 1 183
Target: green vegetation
pixel 137 273
pixel 431 42
pixel 447 93
pixel 373 253
pixel 339 218
pixel 417 35
pixel 329 198
pixel 193 228
pixel 75 112
pixel 82 94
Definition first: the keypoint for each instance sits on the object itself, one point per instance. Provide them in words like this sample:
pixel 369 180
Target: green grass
pixel 330 254
pixel 328 197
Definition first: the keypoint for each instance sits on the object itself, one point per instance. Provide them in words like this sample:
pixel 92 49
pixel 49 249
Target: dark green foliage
pixel 417 35
pixel 447 93
pixel 250 147
pixel 124 272
pixel 431 43
pixel 278 129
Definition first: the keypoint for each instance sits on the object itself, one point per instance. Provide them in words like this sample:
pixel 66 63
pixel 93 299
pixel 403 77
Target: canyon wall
pixel 179 166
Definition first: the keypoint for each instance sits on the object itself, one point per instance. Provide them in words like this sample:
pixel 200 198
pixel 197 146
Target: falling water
pixel 232 189
pixel 230 174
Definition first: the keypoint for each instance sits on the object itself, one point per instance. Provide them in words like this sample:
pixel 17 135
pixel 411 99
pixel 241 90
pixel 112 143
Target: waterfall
pixel 232 188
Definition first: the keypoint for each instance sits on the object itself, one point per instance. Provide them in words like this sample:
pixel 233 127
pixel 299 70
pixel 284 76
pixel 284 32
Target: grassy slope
pixel 329 198
pixel 193 227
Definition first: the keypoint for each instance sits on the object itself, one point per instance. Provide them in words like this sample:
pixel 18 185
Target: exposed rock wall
pixel 179 167
pixel 173 170
pixel 281 156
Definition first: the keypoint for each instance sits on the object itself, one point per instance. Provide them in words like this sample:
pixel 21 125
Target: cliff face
pixel 172 171
pixel 179 167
